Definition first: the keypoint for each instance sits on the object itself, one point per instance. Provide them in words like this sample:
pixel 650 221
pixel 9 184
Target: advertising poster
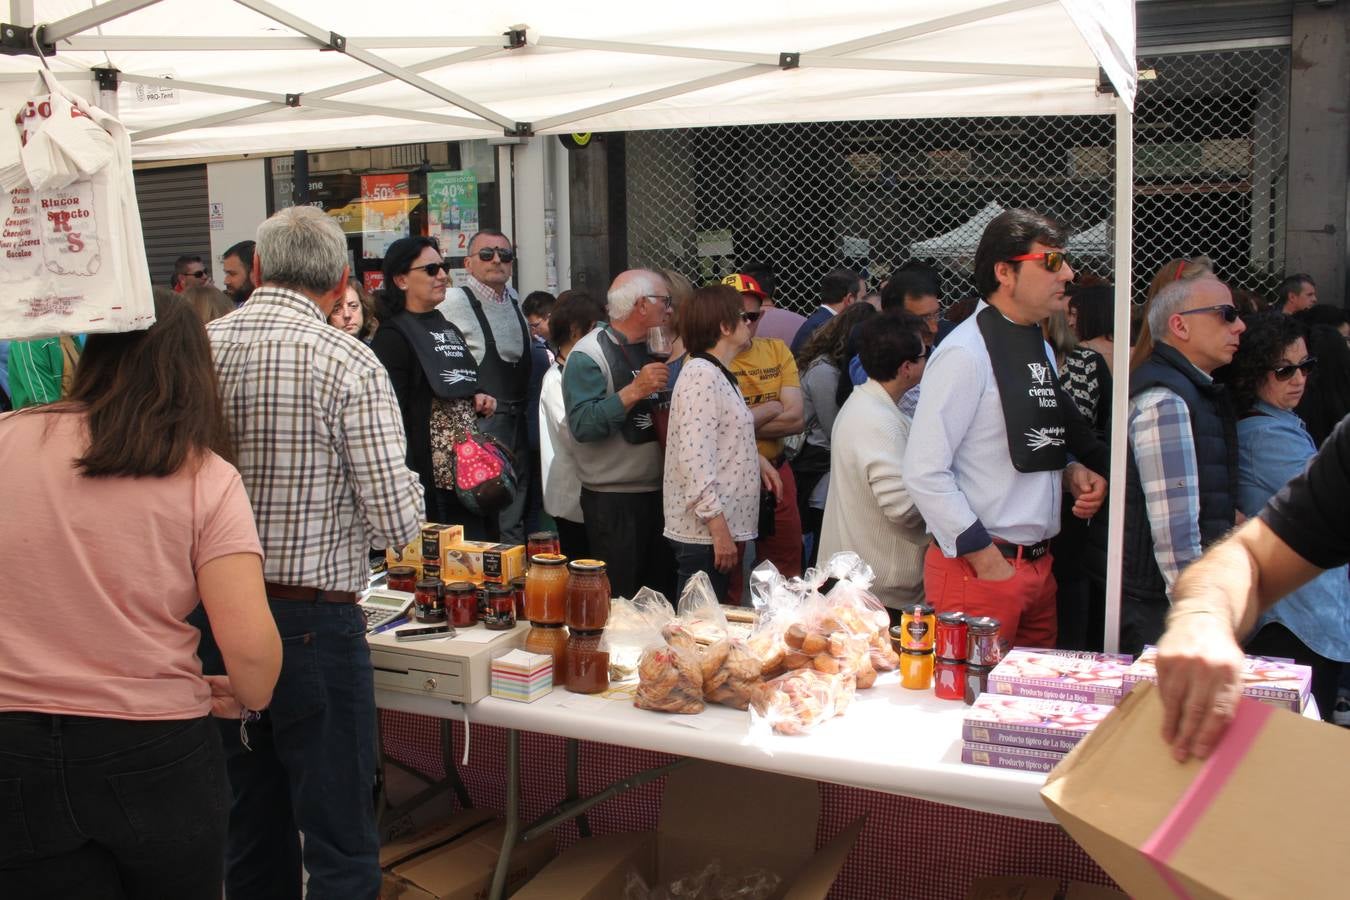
pixel 385 206
pixel 372 281
pixel 452 210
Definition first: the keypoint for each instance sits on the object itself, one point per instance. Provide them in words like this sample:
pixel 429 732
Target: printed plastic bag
pixel 73 259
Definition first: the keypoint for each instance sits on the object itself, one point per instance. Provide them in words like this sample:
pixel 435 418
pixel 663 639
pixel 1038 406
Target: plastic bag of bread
pixel 700 612
pixel 731 671
pixel 633 626
pixel 852 604
pixel 798 701
pixel 778 602
pixel 670 673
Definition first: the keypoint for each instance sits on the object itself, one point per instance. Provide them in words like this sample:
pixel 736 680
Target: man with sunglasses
pixel 189 271
pixel 1181 471
pixel 995 441
pixel 487 312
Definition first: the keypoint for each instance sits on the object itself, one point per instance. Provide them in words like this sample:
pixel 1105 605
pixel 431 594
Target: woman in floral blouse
pixel 713 470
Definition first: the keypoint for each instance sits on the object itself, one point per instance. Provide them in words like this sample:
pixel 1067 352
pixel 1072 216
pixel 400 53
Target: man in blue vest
pixel 1181 472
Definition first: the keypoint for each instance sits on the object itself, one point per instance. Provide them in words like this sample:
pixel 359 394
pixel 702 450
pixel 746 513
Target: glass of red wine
pixel 658 343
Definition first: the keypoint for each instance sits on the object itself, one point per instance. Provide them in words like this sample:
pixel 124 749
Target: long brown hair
pixel 150 397
pixel 831 340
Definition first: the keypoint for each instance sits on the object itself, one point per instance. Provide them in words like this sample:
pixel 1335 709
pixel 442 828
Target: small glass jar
pixel 951 636
pixel 977 682
pixel 550 640
pixel 587 595
pixel 546 589
pixel 542 542
pixel 461 601
pixel 518 588
pixel 916 670
pixel 428 601
pixel 982 644
pixel 917 626
pixel 402 578
pixel 949 679
pixel 501 607
pixel 587 665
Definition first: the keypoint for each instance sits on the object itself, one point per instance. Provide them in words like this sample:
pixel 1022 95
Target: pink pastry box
pixel 1053 725
pixel 1069 675
pixel 1019 758
pixel 1279 682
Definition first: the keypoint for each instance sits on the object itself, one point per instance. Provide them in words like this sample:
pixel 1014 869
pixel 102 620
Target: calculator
pixel 382 606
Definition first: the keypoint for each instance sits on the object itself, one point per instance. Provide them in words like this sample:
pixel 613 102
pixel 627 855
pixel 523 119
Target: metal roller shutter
pixel 174 218
pixel 1165 25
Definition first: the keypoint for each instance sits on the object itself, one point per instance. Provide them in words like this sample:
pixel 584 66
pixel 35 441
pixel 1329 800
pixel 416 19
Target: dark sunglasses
pixel 1284 373
pixel 433 269
pixel 748 317
pixel 1227 311
pixel 1054 260
pixel 201 274
pixel 505 254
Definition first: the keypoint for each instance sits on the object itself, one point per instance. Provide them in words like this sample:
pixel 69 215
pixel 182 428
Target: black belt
pixel 1031 552
pixel 307 594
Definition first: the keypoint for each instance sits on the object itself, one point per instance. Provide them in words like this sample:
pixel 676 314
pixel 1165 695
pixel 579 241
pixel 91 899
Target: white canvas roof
pixel 957 247
pixel 414 72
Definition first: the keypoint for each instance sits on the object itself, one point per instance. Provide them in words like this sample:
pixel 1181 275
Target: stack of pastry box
pixel 441 551
pixel 1041 703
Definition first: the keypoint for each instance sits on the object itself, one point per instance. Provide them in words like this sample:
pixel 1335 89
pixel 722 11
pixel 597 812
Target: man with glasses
pixel 487 312
pixel 995 441
pixel 189 271
pixel 608 385
pixel 1181 471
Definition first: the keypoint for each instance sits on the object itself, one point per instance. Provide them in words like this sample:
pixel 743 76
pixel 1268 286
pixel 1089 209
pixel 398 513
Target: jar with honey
pixel 546 589
pixel 587 665
pixel 587 595
pixel 550 640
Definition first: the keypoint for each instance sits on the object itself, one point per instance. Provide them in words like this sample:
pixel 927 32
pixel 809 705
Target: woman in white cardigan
pixel 869 510
pixel 713 470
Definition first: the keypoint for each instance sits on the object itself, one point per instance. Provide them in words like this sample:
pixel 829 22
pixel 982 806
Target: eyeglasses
pixel 433 269
pixel 750 317
pixel 1054 260
pixel 1284 373
pixel 505 254
pixel 201 273
pixel 664 298
pixel 1227 311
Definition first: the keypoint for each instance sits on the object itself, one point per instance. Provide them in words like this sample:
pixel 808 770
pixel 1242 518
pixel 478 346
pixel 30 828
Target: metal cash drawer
pixel 442 678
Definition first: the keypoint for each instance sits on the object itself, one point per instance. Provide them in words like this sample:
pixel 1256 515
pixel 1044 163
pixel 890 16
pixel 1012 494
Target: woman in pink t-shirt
pixel 121 515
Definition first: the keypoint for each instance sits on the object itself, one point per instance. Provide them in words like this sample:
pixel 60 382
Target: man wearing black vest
pixel 1181 472
pixel 995 441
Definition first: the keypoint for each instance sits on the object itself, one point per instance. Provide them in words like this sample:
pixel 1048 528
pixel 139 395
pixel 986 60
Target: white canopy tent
pixel 956 248
pixel 251 76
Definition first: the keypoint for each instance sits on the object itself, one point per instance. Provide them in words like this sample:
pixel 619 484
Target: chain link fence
pixel 809 197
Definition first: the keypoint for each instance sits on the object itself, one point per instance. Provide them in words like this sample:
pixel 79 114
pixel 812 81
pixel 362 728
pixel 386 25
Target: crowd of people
pixel 252 446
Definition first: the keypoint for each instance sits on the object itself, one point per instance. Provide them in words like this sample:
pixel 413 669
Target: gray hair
pixel 303 249
pixel 629 288
pixel 1168 302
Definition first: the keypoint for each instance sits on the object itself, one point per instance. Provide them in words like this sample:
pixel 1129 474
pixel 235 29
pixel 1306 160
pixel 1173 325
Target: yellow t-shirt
pixel 763 370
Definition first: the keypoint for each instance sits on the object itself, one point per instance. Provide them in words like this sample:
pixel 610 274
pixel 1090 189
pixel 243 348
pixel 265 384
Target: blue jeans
pixel 311 769
pixel 691 559
pixel 110 808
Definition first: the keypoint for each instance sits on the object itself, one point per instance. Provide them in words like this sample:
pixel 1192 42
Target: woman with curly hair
pixel 1268 377
pixel 821 360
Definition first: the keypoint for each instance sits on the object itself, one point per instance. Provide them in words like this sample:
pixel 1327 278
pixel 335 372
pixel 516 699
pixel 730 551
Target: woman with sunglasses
pixel 433 373
pixel 1268 378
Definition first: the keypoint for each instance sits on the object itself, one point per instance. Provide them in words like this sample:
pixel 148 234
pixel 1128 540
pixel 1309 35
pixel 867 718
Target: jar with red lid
pixel 587 665
pixel 546 589
pixel 982 642
pixel 550 640
pixel 402 578
pixel 587 595
pixel 518 588
pixel 461 601
pixel 951 636
pixel 542 542
pixel 501 607
pixel 949 679
pixel 428 602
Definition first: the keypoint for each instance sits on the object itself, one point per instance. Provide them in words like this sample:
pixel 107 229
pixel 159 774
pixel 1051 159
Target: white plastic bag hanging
pixel 72 257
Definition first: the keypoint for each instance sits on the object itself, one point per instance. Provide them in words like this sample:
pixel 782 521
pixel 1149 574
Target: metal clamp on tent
pixel 108 78
pixel 337 42
pixel 789 60
pixel 293 101
pixel 515 37
pixel 24 40
pixel 520 130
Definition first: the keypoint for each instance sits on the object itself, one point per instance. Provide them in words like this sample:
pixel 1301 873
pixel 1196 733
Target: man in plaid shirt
pixel 320 445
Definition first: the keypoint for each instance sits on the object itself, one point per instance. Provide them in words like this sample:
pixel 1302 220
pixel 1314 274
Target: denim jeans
pixel 311 766
pixel 691 559
pixel 96 808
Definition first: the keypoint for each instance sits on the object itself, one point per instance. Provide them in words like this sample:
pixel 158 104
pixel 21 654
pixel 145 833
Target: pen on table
pixel 393 623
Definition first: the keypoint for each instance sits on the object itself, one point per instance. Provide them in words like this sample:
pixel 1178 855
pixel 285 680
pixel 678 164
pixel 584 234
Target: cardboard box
pixel 1053 725
pixel 482 562
pixel 1067 675
pixel 456 861
pixel 1259 819
pixel 1270 679
pixel 436 538
pixel 1019 758
pixel 709 812
pixel 410 555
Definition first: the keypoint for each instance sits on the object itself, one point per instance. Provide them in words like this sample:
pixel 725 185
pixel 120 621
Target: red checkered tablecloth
pixel 909 849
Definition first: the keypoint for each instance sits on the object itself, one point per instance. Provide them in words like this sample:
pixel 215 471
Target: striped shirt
pixel 1164 450
pixel 318 441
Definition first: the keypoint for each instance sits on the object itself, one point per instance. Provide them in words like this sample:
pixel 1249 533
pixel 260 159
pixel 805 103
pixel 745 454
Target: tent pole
pixel 673 90
pixel 1120 381
pixel 206 121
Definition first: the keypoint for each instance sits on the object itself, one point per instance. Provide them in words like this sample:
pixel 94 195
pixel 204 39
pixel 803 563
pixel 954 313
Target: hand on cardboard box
pixel 1199 681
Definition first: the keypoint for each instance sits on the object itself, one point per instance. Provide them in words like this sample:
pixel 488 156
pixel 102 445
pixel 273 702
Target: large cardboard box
pixel 456 861
pixel 743 818
pixel 1259 819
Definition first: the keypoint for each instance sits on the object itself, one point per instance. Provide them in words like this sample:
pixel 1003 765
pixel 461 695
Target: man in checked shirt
pixel 320 445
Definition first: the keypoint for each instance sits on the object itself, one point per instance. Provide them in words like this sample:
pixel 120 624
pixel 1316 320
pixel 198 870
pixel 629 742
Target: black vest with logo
pixel 1214 429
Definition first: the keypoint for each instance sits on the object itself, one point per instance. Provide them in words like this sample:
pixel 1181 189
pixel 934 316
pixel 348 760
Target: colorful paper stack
pixel 1269 679
pixel 1024 733
pixel 522 676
